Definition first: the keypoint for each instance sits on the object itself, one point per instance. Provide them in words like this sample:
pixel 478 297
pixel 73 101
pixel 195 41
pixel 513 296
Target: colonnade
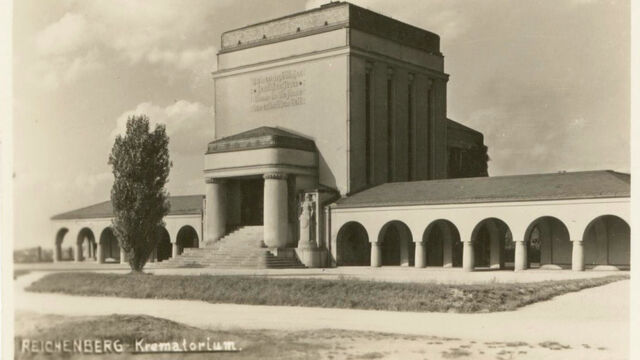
pixel 106 246
pixel 276 208
pixel 574 257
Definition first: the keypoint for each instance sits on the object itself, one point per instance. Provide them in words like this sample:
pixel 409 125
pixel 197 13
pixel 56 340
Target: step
pixel 238 249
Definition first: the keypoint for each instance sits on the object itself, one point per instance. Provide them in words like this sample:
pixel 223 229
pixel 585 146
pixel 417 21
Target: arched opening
pixel 163 247
pixel 396 244
pixel 187 238
pixel 110 246
pixel 607 241
pixel 352 245
pixel 493 244
pixel 58 253
pixel 442 244
pixel 548 244
pixel 84 244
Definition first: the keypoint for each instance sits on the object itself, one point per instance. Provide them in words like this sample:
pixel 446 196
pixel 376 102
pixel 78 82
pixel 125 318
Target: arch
pixel 57 251
pixel 352 245
pixel 607 241
pixel 84 243
pixel 396 244
pixel 442 244
pixel 163 244
pixel 110 246
pixel 493 245
pixel 548 243
pixel 187 238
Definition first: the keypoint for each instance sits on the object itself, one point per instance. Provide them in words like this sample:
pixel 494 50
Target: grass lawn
pixel 276 344
pixel 349 294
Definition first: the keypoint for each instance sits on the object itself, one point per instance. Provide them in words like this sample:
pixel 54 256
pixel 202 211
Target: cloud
pixel 89 183
pixel 189 124
pixel 66 52
pixel 69 34
pixel 172 35
pixel 56 71
pixel 192 59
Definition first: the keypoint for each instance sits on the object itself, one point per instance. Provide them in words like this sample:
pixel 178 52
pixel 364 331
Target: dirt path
pixel 385 273
pixel 593 318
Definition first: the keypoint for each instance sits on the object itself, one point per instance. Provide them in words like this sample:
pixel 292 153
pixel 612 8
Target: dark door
pixel 251 205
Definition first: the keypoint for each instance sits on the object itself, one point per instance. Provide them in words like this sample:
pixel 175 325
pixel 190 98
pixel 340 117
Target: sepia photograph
pixel 316 179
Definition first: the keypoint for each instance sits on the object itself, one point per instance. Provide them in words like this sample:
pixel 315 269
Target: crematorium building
pixel 333 148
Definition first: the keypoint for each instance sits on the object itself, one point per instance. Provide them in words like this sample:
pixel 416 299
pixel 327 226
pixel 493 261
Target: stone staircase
pixel 239 249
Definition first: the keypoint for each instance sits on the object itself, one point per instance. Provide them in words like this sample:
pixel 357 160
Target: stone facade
pixel 368 91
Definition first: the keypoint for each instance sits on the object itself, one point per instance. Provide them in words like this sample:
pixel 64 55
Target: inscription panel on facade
pixel 278 90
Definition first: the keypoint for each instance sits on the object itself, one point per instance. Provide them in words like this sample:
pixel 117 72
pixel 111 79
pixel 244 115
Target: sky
pixel 547 82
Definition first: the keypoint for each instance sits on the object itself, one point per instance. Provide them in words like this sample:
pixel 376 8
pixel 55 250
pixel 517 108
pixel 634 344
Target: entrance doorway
pixel 251 202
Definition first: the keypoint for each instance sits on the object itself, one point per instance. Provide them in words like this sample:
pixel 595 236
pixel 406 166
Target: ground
pixel 393 273
pixel 589 324
pixel 283 344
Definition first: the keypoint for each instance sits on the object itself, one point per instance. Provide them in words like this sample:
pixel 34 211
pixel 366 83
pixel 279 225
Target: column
pixel 276 221
pixel 421 256
pixel 57 253
pixel 152 256
pixel 577 256
pixel 99 254
pixel 174 249
pixel 520 256
pixel 216 211
pixel 123 256
pixel 77 256
pixel 376 255
pixel 467 256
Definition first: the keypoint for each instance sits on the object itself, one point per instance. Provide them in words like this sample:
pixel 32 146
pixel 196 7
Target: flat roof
pixel 534 187
pixel 180 205
pixel 329 17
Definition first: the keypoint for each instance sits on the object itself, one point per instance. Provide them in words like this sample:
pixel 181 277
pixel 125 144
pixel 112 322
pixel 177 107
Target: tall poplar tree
pixel 140 161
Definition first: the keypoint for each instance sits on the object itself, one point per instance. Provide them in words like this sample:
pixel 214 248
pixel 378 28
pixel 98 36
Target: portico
pixel 254 178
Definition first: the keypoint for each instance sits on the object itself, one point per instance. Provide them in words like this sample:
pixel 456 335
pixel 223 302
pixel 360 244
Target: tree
pixel 140 161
